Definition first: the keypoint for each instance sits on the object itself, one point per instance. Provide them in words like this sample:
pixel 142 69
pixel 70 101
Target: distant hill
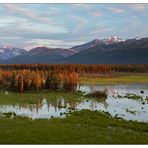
pixel 41 55
pixel 96 42
pixel 85 46
pixel 134 51
pixel 112 50
pixel 10 52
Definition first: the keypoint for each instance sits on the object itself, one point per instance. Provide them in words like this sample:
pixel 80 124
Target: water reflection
pixel 121 107
pixel 54 108
pixel 119 89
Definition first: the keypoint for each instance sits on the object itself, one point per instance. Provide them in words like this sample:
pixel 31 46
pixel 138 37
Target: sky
pixel 66 25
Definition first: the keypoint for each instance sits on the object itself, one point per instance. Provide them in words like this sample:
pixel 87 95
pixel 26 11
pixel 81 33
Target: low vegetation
pixel 131 96
pixel 117 78
pixel 97 94
pixel 84 127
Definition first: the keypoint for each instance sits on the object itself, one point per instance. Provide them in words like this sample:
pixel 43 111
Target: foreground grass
pixel 84 127
pixel 117 78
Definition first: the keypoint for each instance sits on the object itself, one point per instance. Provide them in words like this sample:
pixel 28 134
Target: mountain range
pixel 112 50
pixel 10 52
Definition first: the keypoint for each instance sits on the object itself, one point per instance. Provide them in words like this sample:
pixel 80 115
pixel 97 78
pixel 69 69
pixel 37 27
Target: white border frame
pixel 73 1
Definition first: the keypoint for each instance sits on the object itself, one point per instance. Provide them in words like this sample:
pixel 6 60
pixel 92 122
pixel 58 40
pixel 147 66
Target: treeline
pixel 37 77
pixel 23 80
pixel 141 68
pixel 80 68
pixel 55 77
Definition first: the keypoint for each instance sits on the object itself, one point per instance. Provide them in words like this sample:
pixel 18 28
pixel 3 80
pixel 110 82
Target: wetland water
pixel 128 109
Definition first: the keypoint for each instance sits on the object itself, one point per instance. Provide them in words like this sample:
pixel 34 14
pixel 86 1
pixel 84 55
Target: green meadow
pixel 84 127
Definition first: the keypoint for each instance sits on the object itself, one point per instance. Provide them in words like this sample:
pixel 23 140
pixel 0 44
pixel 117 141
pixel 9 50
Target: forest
pixel 37 77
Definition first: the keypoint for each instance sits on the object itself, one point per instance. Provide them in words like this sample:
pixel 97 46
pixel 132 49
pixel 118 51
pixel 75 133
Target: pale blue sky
pixel 66 25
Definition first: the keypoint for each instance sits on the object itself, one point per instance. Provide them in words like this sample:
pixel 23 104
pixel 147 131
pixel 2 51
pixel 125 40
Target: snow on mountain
pixel 1 51
pixel 93 43
pixel 137 38
pixel 7 52
pixel 111 40
pixel 10 52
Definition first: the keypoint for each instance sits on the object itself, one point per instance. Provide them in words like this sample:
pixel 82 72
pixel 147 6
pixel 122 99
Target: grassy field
pixel 117 78
pixel 84 127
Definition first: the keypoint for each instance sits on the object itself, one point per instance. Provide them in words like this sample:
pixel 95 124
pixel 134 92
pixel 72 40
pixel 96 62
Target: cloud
pixel 116 10
pixel 80 23
pixel 6 21
pixel 51 11
pixel 81 6
pixel 11 37
pixel 100 30
pixel 134 22
pixel 51 43
pixel 65 25
pixel 96 13
pixel 27 25
pixel 138 7
pixel 28 13
pixel 144 32
pixel 40 28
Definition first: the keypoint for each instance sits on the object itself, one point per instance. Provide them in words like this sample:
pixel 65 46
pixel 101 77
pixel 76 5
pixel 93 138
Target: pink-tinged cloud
pixel 80 23
pixel 138 7
pixel 96 13
pixel 28 13
pixel 84 6
pixel 116 10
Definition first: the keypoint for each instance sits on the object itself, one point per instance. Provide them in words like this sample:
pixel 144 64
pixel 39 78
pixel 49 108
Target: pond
pixel 125 108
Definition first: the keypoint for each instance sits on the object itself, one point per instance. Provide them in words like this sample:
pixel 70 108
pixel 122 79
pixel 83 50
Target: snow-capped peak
pixel 1 51
pixel 112 39
pixel 137 38
pixel 10 52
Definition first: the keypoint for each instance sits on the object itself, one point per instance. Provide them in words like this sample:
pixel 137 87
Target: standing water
pixel 123 107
